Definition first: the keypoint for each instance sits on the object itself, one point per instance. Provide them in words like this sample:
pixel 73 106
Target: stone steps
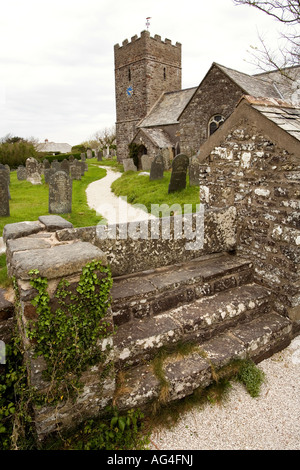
pixel 211 305
pixel 152 292
pixel 139 340
pixel 257 339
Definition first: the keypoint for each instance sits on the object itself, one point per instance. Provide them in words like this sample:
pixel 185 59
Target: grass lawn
pixel 140 190
pixel 29 201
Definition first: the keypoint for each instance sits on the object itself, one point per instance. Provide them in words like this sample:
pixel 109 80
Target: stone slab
pixel 54 222
pixel 58 261
pixel 26 243
pixel 21 229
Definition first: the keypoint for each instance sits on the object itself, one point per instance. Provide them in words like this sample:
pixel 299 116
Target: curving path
pixel 113 208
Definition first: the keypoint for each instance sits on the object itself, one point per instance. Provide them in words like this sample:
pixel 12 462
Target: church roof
pixel 159 137
pixel 251 85
pixel 168 108
pixel 282 84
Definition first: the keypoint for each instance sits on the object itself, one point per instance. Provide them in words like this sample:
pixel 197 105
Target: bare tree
pixel 287 13
pixel 105 138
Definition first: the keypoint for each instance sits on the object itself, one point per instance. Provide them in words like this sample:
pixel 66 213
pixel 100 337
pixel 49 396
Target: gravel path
pixel 268 422
pixel 114 209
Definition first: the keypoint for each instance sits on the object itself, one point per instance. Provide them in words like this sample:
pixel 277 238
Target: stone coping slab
pixel 55 262
pixel 54 222
pixel 21 229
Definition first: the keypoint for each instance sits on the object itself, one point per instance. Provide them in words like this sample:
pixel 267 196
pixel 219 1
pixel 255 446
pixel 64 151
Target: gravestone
pixel 146 162
pixel 33 171
pixel 21 173
pixel 178 176
pixel 194 171
pixel 89 154
pixel 82 156
pixel 71 158
pixel 75 170
pixel 166 156
pixel 65 166
pixel 83 166
pixel 4 195
pixel 129 165
pixel 7 168
pixel 46 164
pixel 60 193
pixel 56 165
pixel 157 168
pixel 100 156
pixel 48 172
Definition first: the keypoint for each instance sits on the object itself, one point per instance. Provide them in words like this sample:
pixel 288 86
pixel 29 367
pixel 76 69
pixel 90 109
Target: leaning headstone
pixel 157 168
pixel 129 165
pixel 100 156
pixel 194 171
pixel 146 162
pixel 89 154
pixel 82 156
pixel 60 193
pixel 178 176
pixel 21 173
pixel 4 196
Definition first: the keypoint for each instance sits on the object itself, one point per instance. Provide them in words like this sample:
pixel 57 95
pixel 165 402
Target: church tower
pixel 145 68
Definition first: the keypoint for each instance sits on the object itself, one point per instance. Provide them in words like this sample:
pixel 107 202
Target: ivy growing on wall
pixel 70 329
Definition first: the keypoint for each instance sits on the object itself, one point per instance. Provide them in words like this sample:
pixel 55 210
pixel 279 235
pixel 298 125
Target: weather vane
pixel 148 22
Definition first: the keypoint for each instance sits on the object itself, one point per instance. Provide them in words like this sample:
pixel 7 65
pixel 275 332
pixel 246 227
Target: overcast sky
pixel 57 62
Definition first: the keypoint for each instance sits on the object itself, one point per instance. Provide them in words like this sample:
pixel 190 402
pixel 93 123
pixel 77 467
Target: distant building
pixel 53 147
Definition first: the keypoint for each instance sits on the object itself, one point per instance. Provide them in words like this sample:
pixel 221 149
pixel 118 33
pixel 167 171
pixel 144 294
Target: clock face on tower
pixel 129 91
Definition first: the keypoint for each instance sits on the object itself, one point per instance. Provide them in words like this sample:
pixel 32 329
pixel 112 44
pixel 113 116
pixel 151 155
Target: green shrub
pixel 251 377
pixel 15 154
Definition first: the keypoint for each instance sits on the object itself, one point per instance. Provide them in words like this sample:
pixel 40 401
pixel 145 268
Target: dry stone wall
pixel 138 246
pixel 252 172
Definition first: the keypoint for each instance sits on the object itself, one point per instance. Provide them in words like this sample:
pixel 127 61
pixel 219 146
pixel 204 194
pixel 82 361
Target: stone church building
pixel 152 110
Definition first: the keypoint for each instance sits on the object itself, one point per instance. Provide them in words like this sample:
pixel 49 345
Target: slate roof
pixel 286 83
pixel 160 138
pixel 168 108
pixel 251 85
pixel 283 114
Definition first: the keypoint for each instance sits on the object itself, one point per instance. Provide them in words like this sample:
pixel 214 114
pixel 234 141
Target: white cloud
pixel 57 64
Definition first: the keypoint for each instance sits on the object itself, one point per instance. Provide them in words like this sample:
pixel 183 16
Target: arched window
pixel 214 123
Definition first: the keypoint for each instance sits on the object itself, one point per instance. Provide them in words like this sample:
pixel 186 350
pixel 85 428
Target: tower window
pixel 129 75
pixel 165 74
pixel 214 123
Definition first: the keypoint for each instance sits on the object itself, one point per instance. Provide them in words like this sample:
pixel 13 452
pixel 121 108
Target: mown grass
pixel 29 201
pixel 140 190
